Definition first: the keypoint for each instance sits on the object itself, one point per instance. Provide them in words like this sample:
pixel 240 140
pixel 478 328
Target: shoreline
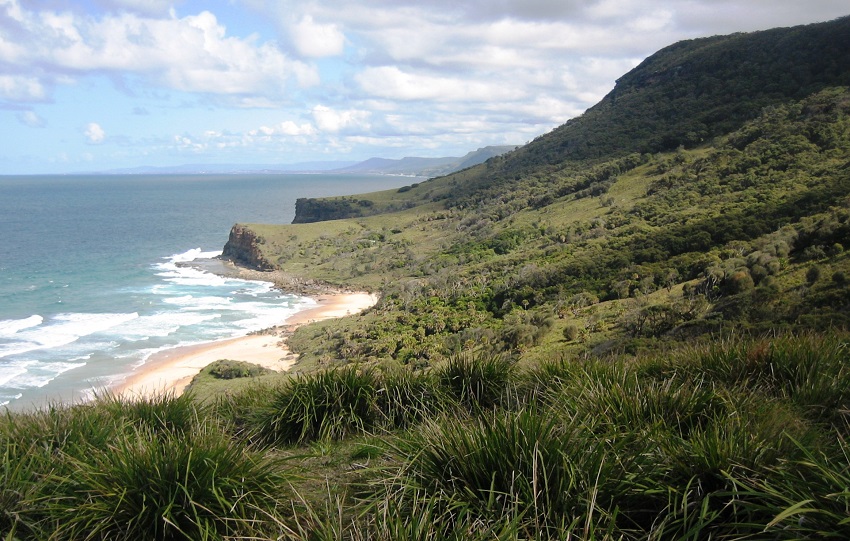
pixel 171 370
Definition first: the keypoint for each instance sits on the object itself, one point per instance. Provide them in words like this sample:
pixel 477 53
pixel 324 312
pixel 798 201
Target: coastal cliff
pixel 310 210
pixel 243 248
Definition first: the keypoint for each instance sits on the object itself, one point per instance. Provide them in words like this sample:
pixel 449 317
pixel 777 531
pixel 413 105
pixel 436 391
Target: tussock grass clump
pixel 166 412
pixel 19 512
pixel 331 405
pixel 406 398
pixel 328 405
pixel 736 440
pixel 614 399
pixel 151 485
pixel 476 379
pixel 409 515
pixel 147 469
pixel 527 470
pixel 810 371
pixel 809 498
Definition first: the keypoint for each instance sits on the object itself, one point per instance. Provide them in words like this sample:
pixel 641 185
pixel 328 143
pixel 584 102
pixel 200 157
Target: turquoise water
pixel 90 284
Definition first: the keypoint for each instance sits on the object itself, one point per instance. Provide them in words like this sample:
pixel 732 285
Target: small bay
pixel 90 277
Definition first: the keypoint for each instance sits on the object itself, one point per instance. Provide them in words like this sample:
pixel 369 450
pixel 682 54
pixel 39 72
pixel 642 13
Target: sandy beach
pixel 172 370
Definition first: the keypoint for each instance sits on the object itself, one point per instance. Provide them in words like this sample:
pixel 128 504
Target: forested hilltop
pixel 707 191
pixel 632 328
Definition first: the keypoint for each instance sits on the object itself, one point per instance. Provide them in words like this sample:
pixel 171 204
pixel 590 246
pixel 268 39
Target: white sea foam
pixel 182 306
pixel 9 370
pixel 193 254
pixel 265 319
pixel 61 330
pixel 10 398
pixel 159 325
pixel 186 276
pixel 182 275
pixel 9 327
pixel 40 374
pixel 190 302
pixel 257 288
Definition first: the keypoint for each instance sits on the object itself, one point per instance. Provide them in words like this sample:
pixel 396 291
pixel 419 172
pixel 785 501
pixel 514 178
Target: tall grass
pixel 151 485
pixel 113 469
pixel 406 398
pixel 327 405
pixel 19 490
pixel 810 371
pixel 333 404
pixel 528 470
pixel 744 439
pixel 477 380
pixel 808 498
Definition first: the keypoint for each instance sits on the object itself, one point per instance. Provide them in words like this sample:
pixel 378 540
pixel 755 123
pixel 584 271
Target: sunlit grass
pixel 719 441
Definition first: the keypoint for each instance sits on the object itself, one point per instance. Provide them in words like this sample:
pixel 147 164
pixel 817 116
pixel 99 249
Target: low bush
pixel 228 369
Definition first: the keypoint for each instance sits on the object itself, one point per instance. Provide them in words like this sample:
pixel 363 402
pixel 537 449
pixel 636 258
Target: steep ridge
pixel 683 95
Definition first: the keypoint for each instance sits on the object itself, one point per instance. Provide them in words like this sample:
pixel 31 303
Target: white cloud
pixel 192 53
pixel 94 133
pixel 31 119
pixel 329 120
pixel 21 89
pixel 392 77
pixel 394 83
pixel 150 7
pixel 287 127
pixel 185 142
pixel 317 40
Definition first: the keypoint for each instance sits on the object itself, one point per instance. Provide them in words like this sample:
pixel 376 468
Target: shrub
pixel 227 369
pixel 813 274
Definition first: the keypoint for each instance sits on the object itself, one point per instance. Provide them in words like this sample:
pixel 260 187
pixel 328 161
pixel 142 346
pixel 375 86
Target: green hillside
pixel 651 240
pixel 633 328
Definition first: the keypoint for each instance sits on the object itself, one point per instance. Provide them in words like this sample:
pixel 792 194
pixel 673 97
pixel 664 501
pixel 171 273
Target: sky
pixel 93 85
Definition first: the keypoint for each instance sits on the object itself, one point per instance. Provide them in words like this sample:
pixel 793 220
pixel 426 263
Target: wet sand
pixel 173 369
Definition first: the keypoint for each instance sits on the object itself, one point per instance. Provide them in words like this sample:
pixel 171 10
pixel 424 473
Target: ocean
pixel 90 281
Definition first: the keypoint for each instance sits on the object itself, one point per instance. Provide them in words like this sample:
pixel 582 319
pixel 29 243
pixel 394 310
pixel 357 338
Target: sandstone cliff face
pixel 243 248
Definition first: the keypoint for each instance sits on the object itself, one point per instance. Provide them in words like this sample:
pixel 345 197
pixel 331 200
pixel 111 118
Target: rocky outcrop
pixel 243 248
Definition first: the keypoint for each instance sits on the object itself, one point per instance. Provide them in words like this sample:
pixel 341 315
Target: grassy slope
pixel 730 440
pixel 669 230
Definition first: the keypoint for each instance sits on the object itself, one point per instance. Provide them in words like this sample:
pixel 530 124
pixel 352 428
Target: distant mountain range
pixel 426 167
pixel 420 167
